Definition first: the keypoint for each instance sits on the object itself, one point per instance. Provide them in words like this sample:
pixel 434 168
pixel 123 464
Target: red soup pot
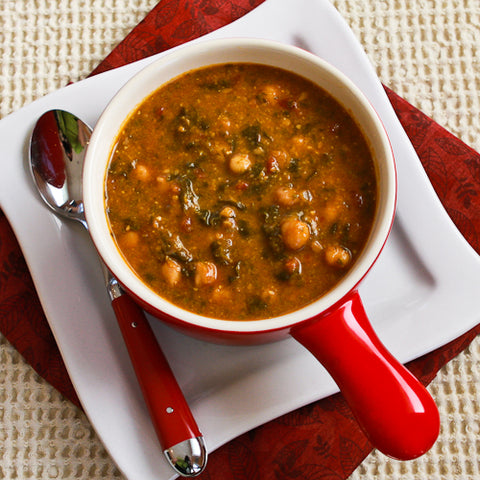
pixel 395 411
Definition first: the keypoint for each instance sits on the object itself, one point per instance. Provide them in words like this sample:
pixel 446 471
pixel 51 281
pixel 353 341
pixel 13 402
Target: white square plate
pixel 421 294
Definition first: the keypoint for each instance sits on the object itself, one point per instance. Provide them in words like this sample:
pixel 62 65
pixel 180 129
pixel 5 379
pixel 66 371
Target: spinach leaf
pixel 169 245
pixel 256 304
pixel 255 137
pixel 222 251
pixel 188 198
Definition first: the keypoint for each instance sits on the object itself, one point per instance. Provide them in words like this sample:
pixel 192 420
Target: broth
pixel 240 191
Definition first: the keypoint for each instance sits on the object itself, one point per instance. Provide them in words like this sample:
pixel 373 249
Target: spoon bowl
pixel 57 162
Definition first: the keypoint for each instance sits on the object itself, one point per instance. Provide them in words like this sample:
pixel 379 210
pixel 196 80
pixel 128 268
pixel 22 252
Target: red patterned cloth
pixel 321 440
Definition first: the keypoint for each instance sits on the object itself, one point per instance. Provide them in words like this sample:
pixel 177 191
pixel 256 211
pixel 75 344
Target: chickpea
pixel 295 233
pixel 129 239
pixel 171 271
pixel 230 224
pixel 240 163
pixel 338 256
pixel 286 196
pixel 142 172
pixel 205 273
pixel 228 216
pixel 271 93
pixel 227 212
pixel 317 247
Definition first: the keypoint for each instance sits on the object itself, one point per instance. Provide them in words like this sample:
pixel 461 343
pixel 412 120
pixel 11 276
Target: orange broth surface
pixel 240 191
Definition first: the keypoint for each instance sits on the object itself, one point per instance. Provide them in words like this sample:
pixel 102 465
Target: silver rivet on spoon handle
pixel 57 151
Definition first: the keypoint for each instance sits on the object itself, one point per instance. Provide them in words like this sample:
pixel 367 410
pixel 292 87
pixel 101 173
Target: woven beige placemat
pixel 427 51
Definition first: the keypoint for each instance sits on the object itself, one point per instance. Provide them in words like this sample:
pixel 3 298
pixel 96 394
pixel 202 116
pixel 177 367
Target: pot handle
pixel 171 416
pixel 393 408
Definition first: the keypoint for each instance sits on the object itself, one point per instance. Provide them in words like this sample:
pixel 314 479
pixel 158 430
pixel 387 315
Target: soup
pixel 240 191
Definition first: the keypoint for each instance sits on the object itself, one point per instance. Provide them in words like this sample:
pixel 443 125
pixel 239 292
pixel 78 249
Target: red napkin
pixel 321 440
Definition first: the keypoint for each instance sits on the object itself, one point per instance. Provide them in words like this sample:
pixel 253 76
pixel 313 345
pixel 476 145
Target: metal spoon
pixel 57 150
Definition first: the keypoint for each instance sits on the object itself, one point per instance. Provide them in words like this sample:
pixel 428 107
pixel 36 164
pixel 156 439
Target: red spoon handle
pixel 169 411
pixel 393 408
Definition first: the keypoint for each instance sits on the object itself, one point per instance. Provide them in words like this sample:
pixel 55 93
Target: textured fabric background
pixel 427 51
